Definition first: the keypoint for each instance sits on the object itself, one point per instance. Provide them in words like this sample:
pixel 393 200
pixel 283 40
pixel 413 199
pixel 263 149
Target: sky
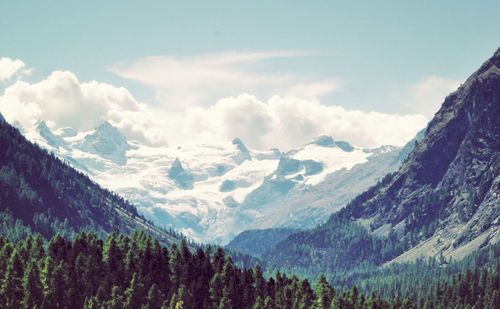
pixel 274 73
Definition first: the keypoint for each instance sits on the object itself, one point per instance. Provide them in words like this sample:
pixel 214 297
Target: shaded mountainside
pixel 256 242
pixel 443 202
pixel 449 186
pixel 48 196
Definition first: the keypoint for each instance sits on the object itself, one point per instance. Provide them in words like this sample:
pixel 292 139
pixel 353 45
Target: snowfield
pixel 213 191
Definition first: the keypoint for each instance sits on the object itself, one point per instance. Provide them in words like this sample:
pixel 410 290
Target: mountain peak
pixel 328 141
pixel 42 126
pixel 497 53
pixel 490 68
pixel 177 164
pixel 105 125
pixel 107 142
pixel 52 139
pixel 2 120
pixel 106 129
pixel 237 141
pixel 324 141
pixel 244 153
pixel 109 132
pixel 182 178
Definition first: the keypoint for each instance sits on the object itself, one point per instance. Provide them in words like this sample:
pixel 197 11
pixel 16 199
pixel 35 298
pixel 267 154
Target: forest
pixel 136 271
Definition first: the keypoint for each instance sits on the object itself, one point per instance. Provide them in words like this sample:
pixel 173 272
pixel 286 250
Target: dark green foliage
pixel 137 272
pixel 339 244
pixel 32 286
pixel 12 292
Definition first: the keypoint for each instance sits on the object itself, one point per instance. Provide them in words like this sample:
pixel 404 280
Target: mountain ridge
pixel 444 201
pixel 212 191
pixel 460 153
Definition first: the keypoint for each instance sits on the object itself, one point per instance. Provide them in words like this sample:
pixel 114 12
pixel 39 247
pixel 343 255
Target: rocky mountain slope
pixel 212 191
pixel 443 202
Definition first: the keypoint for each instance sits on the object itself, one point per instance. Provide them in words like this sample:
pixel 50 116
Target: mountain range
pixel 214 190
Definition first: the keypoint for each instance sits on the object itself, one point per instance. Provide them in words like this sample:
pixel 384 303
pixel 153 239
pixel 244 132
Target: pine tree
pixel 216 288
pixel 259 303
pixel 306 294
pixel 226 300
pixel 268 303
pixel 154 299
pixel 260 282
pixel 116 300
pixel 113 261
pixel 11 292
pixel 37 249
pixel 135 293
pixel 55 285
pixel 324 292
pixel 33 288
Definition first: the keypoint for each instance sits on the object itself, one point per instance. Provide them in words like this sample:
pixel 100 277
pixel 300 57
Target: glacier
pixel 213 190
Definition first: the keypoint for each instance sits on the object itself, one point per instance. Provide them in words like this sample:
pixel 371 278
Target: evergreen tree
pixel 154 299
pixel 135 294
pixel 33 288
pixel 55 285
pixel 116 301
pixel 324 292
pixel 11 292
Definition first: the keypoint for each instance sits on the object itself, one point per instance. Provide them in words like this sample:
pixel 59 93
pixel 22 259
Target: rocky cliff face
pixel 449 186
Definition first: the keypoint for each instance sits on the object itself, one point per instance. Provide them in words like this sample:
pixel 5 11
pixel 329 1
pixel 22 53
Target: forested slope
pixel 40 193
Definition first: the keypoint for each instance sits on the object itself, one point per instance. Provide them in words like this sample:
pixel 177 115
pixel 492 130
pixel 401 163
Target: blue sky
pixel 384 56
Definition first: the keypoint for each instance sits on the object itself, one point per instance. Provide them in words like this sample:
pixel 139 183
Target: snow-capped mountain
pixel 213 191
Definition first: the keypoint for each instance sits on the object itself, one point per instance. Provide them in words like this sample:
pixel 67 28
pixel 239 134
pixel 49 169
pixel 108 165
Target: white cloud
pixel 202 79
pixel 289 122
pixel 427 95
pixel 61 100
pixel 9 68
pixel 282 121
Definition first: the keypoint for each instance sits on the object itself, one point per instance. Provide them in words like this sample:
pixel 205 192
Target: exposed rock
pixel 244 153
pixel 182 178
pixel 324 141
pixel 288 166
pixel 327 141
pixel 451 179
pixel 46 133
pixel 227 186
pixel 312 167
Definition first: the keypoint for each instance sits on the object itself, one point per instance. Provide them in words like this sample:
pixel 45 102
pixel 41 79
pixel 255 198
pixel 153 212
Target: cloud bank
pixel 285 120
pixel 288 122
pixel 62 101
pixel 9 68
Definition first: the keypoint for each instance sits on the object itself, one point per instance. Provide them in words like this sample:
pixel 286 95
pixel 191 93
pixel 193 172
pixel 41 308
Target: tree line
pixel 136 271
